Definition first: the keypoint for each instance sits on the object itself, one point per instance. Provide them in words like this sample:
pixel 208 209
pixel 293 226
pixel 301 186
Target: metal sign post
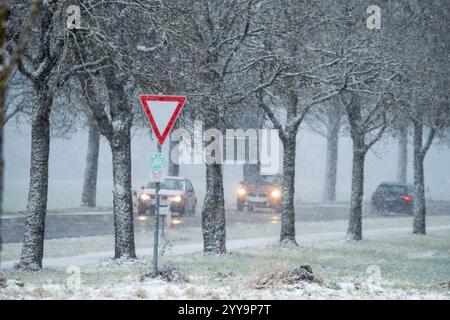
pixel 157 108
pixel 156 236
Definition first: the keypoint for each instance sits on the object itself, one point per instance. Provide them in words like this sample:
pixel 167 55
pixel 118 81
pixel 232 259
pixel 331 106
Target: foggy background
pixel 67 161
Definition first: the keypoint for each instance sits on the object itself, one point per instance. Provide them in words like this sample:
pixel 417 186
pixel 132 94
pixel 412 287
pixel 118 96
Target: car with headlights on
pixel 176 193
pixel 263 191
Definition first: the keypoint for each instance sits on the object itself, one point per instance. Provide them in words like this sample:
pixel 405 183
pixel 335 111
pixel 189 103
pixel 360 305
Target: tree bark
pixel 419 206
pixel 251 172
pixel 213 212
pixel 123 206
pixel 2 162
pixel 117 131
pixel 354 230
pixel 89 196
pixel 287 234
pixel 334 125
pixel 402 164
pixel 33 240
pixel 174 168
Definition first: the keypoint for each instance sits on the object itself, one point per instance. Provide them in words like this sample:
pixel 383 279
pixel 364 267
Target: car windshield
pixel 395 189
pixel 168 184
pixel 269 180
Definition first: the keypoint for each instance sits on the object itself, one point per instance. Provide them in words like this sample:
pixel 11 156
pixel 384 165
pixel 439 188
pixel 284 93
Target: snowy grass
pixel 349 270
pixel 398 258
pixel 390 266
pixel 267 227
pixel 65 211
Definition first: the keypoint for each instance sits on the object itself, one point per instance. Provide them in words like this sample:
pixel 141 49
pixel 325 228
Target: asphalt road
pixel 260 242
pixel 68 225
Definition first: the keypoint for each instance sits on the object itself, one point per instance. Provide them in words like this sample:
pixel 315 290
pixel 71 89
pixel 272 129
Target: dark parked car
pixel 392 197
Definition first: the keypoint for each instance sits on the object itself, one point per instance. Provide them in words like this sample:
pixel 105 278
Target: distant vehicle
pixel 264 192
pixel 175 192
pixel 392 197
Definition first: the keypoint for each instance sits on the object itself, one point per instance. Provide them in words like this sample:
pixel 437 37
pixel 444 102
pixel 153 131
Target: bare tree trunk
pixel 89 196
pixel 120 141
pixel 334 125
pixel 117 131
pixel 287 234
pixel 354 231
pixel 251 119
pixel 419 208
pixel 2 162
pixel 213 212
pixel 251 172
pixel 174 168
pixel 3 85
pixel 123 206
pixel 402 164
pixel 33 240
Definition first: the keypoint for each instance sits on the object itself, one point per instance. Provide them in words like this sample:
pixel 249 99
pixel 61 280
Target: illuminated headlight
pixel 176 199
pixel 276 194
pixel 145 197
pixel 241 191
pixel 176 221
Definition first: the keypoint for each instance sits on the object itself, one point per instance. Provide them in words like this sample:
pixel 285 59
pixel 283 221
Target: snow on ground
pixel 387 265
pixel 231 245
pixel 131 288
pixel 188 239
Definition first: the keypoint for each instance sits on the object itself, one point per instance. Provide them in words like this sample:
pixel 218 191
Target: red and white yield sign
pixel 162 112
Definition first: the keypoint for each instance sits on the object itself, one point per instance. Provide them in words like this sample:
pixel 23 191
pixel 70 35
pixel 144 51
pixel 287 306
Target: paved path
pixel 231 245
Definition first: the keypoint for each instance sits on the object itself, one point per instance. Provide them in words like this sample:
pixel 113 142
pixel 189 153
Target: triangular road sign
pixel 162 112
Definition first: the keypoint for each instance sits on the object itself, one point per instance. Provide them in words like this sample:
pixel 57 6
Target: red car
pixel 264 192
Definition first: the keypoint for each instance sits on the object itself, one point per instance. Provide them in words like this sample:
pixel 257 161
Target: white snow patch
pixel 132 288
